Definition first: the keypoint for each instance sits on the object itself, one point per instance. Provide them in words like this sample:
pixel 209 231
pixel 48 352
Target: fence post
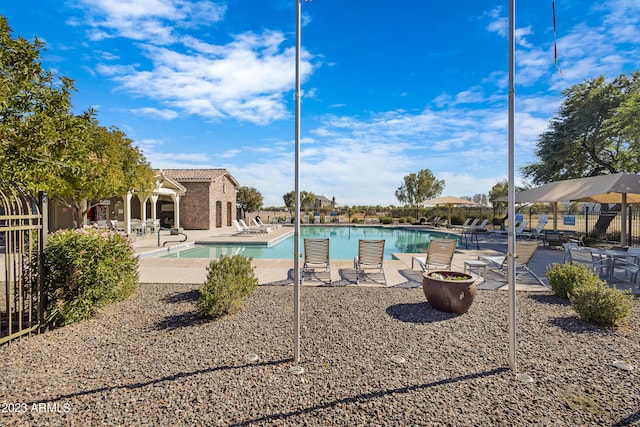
pixel 629 230
pixel 586 220
pixel 43 205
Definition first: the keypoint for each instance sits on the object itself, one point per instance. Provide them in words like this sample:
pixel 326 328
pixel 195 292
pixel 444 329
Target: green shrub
pixel 386 220
pixel 598 304
pixel 229 279
pixel 85 270
pixel 564 278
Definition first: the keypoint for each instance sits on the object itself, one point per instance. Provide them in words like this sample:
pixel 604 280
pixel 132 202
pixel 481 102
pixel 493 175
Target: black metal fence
pixel 601 223
pixel 23 234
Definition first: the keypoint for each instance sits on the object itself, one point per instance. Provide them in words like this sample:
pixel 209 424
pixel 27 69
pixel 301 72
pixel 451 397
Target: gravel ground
pixel 371 356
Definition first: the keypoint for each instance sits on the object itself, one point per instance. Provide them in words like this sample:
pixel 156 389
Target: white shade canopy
pixel 597 189
pixel 619 187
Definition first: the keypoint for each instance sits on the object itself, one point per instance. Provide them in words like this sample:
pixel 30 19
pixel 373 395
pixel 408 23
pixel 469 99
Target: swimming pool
pixel 343 243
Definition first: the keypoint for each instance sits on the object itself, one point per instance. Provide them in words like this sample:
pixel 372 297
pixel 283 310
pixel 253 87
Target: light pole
pixel 511 241
pixel 296 234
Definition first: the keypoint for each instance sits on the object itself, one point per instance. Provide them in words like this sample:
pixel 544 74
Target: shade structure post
pixel 623 219
pixel 511 243
pixel 296 238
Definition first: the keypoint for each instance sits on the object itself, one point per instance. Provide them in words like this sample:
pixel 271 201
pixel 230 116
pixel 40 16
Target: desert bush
pixel 598 304
pixel 564 278
pixel 229 279
pixel 85 270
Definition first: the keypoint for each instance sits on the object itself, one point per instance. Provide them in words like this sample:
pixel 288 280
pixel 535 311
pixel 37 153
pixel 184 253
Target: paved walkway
pixel 280 271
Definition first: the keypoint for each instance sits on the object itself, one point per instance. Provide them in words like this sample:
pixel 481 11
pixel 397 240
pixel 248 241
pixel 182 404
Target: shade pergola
pixel 620 187
pixel 448 201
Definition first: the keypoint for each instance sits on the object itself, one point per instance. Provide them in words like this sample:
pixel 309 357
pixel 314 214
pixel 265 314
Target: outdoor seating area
pixel 607 261
pixel 403 270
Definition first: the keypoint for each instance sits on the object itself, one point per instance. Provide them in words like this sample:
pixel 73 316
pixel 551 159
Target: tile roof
pixel 193 174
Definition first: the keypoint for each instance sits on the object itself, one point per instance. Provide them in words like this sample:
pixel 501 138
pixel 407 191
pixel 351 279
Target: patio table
pixel 610 255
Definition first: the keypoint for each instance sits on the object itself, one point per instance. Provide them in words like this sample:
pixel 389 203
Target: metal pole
pixel 296 234
pixel 511 243
pixel 623 221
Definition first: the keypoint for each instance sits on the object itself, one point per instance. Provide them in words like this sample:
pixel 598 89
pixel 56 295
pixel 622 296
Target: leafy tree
pixel 290 200
pixel 307 200
pixel 34 113
pixel 498 191
pixel 104 165
pixel 480 199
pixel 249 199
pixel 47 147
pixel 595 132
pixel 418 188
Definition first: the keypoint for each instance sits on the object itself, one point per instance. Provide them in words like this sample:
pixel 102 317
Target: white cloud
pixel 155 112
pixel 244 80
pixel 149 20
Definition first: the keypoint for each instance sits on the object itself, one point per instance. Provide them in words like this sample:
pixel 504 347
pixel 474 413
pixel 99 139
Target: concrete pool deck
pixel 280 271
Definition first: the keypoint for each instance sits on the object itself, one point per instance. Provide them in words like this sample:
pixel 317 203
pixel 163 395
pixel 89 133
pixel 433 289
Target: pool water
pixel 343 243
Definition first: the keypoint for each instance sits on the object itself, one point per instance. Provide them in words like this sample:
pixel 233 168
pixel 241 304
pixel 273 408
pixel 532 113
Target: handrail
pixel 168 241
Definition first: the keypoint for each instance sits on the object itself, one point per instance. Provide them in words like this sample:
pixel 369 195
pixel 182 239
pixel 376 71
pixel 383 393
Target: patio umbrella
pixel 448 201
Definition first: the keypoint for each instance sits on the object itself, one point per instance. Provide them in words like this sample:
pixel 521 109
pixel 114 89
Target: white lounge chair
pixel 240 230
pixel 536 233
pixel 259 226
pixel 370 258
pixel 274 224
pixel 519 229
pixel 247 228
pixel 439 255
pixel 524 253
pixel 316 257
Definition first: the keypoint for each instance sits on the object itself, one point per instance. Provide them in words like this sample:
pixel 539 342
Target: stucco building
pixel 192 199
pixel 210 197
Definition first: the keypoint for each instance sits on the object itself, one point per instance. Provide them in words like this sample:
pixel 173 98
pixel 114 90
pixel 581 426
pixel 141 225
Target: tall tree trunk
pixel 80 210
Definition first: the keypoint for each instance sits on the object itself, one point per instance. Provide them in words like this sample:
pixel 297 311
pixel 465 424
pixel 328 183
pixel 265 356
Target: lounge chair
pixel 467 223
pixel 370 258
pixel 433 221
pixel 240 230
pixel 258 221
pixel 316 257
pixel 470 233
pixel 439 255
pixel 261 226
pixel 536 233
pixel 443 222
pixel 247 228
pixel 524 253
pixel 482 227
pixel 519 230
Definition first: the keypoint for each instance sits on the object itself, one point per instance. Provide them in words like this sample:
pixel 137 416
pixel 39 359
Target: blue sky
pixel 389 88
